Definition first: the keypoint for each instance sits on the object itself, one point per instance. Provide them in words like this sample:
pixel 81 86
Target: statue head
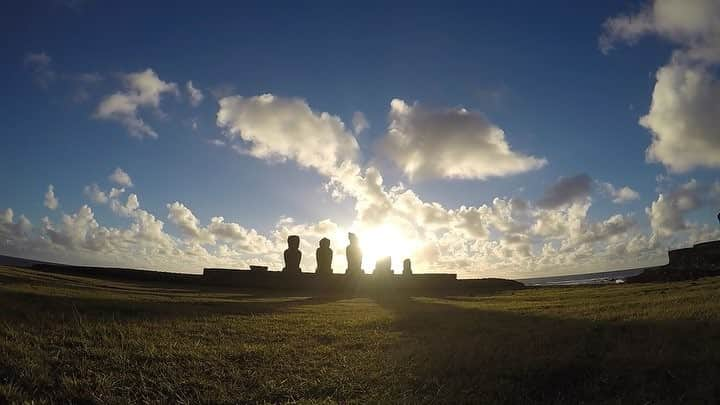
pixel 352 238
pixel 325 243
pixel 293 242
pixel 407 265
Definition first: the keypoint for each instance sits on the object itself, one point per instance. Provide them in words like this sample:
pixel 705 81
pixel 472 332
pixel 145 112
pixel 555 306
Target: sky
pixel 498 138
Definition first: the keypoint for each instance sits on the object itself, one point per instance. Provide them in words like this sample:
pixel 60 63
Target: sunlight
pixel 385 240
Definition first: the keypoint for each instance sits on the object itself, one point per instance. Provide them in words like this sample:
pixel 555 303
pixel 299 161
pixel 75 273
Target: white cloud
pixel 10 229
pixel 142 90
pixel 196 96
pixel 184 219
pixel 120 177
pixel 51 201
pixel 451 143
pixel 239 237
pixel 96 195
pixel 126 209
pixel 683 118
pixel 686 98
pixel 286 128
pixel 694 24
pixel 116 192
pixel 620 195
pixel 665 216
pixel 360 123
pixel 667 213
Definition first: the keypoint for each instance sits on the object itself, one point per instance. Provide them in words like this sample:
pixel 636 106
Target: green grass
pixel 74 339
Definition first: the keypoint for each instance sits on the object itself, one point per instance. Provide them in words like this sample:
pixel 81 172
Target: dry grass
pixel 75 339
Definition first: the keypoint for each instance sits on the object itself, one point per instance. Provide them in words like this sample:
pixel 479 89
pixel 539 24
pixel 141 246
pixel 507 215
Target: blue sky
pixel 534 70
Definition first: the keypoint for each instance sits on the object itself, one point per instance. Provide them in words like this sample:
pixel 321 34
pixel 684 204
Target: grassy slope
pixel 65 338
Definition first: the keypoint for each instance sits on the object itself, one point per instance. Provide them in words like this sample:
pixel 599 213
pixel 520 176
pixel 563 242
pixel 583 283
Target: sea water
pixel 607 277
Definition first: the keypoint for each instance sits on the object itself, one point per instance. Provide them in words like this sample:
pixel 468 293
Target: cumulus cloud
pixel 686 98
pixel 683 118
pixel 116 192
pixel 11 229
pixel 360 123
pixel 286 128
pixel 566 190
pixel 196 96
pixel 184 219
pixel 694 24
pixel 51 201
pixel 126 209
pixel 450 143
pixel 620 195
pixel 667 213
pixel 142 90
pixel 95 195
pixel 120 177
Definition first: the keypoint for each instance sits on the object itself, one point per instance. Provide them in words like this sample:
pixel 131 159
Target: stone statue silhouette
pixel 407 268
pixel 383 266
pixel 292 255
pixel 324 256
pixel 354 255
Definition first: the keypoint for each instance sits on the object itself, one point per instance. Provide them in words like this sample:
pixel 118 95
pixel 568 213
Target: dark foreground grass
pixel 74 339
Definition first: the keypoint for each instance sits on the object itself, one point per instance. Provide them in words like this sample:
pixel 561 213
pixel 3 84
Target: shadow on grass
pixel 25 306
pixel 459 355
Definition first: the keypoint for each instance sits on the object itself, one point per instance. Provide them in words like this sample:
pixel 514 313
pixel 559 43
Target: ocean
pixel 607 277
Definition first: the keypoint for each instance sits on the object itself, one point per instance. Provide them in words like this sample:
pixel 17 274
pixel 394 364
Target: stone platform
pixel 429 282
pixel 701 256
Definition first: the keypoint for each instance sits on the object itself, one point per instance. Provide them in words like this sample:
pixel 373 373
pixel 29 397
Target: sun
pixel 385 240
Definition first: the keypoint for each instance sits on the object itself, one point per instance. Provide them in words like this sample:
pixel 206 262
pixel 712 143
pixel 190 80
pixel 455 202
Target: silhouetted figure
pixel 324 256
pixel 354 256
pixel 407 268
pixel 383 266
pixel 292 255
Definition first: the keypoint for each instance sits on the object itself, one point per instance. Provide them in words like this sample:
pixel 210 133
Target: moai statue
pixel 292 255
pixel 324 256
pixel 354 256
pixel 383 266
pixel 407 268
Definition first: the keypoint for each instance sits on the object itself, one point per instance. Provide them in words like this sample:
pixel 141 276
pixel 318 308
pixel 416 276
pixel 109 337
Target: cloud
pixel 667 213
pixel 566 190
pixel 241 238
pixel 184 219
pixel 127 209
pixel 10 229
pixel 683 118
pixel 116 192
pixel 51 201
pixel 40 65
pixel 96 195
pixel 620 195
pixel 450 143
pixel 277 128
pixel 196 96
pixel 142 90
pixel 686 98
pixel 692 24
pixel 120 177
pixel 360 123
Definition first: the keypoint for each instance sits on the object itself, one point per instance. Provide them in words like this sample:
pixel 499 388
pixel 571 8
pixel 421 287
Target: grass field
pixel 74 339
